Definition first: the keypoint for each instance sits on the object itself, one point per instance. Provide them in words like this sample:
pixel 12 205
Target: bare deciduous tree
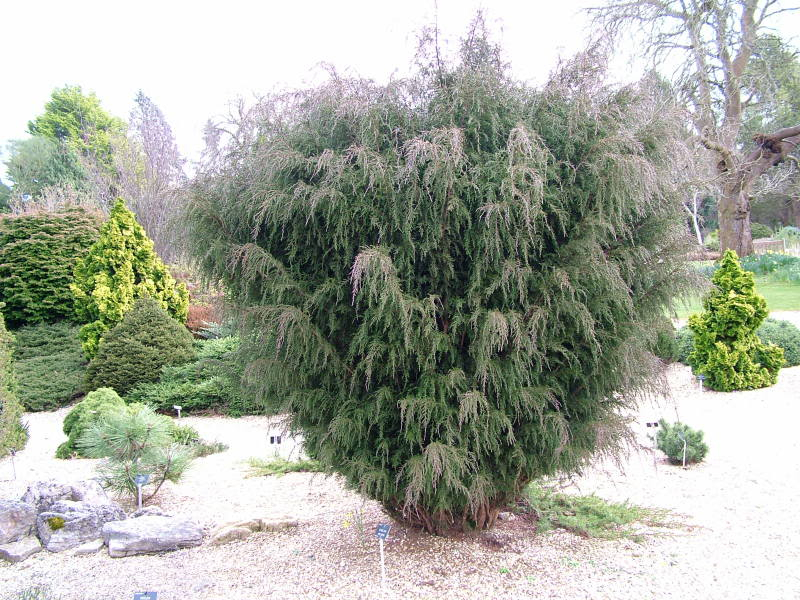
pixel 710 43
pixel 151 175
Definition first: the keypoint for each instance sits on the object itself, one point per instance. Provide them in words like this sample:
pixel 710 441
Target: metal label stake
pixel 701 379
pixel 382 533
pixel 140 480
pixel 654 425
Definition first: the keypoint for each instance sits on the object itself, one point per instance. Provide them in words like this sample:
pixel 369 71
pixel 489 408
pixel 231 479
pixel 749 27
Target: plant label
pixel 382 532
pixel 141 479
pixel 145 596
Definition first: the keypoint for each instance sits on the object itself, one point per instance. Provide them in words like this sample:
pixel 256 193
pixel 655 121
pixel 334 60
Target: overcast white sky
pixel 193 57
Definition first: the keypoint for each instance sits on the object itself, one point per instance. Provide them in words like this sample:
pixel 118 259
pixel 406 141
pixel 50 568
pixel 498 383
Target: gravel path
pixel 737 536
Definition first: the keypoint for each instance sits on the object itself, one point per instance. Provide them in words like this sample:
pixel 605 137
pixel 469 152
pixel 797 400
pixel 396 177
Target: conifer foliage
pixel 119 268
pixel 726 348
pixel 13 434
pixel 38 253
pixel 137 348
pixel 449 282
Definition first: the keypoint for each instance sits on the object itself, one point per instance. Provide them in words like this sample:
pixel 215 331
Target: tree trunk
pixel 734 217
pixel 737 178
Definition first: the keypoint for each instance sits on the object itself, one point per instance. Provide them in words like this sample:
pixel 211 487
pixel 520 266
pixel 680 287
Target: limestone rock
pixel 43 494
pixel 71 523
pixel 18 551
pixel 151 534
pixel 225 535
pixel 92 547
pixel 277 524
pixel 17 520
pixel 148 511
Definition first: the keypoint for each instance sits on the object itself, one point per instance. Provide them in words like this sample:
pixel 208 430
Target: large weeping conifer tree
pixel 450 282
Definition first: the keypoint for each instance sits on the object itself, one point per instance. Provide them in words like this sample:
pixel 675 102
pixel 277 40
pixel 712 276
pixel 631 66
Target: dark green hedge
pixel 38 253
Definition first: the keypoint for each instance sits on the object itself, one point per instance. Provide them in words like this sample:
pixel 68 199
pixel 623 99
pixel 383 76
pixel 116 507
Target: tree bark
pixel 737 181
pixel 734 217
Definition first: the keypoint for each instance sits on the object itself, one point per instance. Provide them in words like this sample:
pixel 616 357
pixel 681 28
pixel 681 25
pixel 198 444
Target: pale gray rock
pixel 150 534
pixel 17 520
pixel 43 494
pixel 225 535
pixel 70 523
pixel 18 551
pixel 92 547
pixel 149 511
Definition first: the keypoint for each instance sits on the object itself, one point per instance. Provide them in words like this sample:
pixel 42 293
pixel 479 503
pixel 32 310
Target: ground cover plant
pixel 119 268
pixel 13 433
pixel 136 349
pixel 38 253
pixel 673 439
pixel 51 367
pixel 279 466
pixel 726 349
pixel 587 516
pixel 450 282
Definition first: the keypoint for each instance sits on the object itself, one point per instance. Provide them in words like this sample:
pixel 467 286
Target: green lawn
pixel 779 296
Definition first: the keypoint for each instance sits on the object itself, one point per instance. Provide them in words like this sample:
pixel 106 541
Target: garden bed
pixel 734 531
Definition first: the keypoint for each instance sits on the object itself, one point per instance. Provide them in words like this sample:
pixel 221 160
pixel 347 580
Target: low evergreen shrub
pixel 13 433
pixel 206 384
pixel 38 253
pixel 684 343
pixel 670 440
pixel 587 516
pixel 51 367
pixel 136 349
pixel 760 231
pixel 726 348
pixel 89 410
pixel 783 334
pixel 666 345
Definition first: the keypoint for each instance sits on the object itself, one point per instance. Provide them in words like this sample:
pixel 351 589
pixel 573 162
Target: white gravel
pixel 737 536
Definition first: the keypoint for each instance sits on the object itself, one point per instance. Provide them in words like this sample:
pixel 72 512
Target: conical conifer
pixel 121 267
pixel 726 348
pixel 449 282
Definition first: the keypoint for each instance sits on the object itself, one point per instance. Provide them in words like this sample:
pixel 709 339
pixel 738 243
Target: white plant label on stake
pixel 701 379
pixel 654 425
pixel 140 480
pixel 683 439
pixel 382 533
pixel 178 410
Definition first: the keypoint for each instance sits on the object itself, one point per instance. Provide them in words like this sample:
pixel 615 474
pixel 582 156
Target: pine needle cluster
pixel 449 282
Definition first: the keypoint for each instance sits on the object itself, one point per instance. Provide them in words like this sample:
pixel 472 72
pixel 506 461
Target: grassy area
pixel 779 295
pixel 589 516
pixel 280 466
